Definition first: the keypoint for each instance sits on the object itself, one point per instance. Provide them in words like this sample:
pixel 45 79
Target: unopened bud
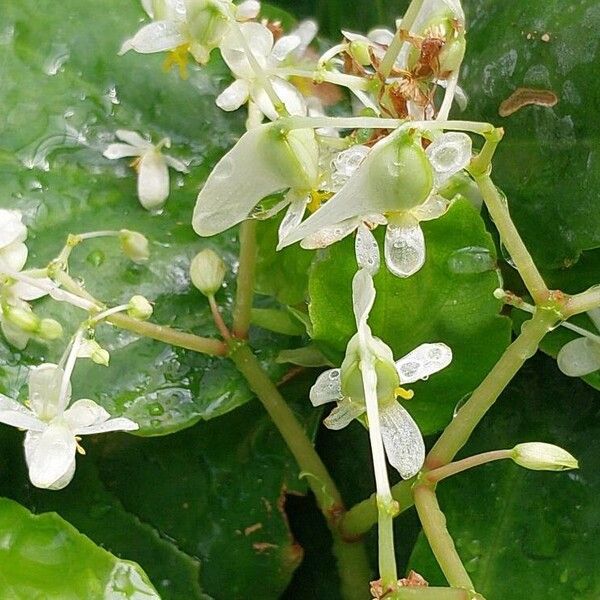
pixel 23 318
pixel 359 51
pixel 49 329
pixel 92 349
pixel 207 271
pixel 101 357
pixel 539 456
pixel 139 308
pixel 134 245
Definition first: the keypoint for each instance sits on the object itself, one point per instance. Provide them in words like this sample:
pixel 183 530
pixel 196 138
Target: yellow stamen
pixel 80 448
pixel 178 58
pixel 317 198
pixel 400 392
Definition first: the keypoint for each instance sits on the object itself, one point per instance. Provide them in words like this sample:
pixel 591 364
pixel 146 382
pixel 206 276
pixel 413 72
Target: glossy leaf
pixel 43 556
pixel 449 300
pixel 527 533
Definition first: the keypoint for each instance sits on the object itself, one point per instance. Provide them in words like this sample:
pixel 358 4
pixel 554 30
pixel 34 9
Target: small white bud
pixel 207 271
pixel 50 329
pixel 539 456
pixel 92 349
pixel 22 318
pixel 139 308
pixel 101 357
pixel 134 245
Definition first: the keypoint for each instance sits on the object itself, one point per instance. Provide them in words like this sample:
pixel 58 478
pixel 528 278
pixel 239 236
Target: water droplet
pixel 471 260
pixel 472 565
pixel 156 409
pixel 460 404
pixel 506 256
pixel 95 258
pixel 155 423
pixel 58 57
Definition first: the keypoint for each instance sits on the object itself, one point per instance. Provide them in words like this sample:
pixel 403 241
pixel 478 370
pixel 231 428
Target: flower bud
pixel 359 51
pixel 139 308
pixel 49 329
pixel 101 357
pixel 539 456
pixel 23 318
pixel 92 349
pixel 134 245
pixel 207 271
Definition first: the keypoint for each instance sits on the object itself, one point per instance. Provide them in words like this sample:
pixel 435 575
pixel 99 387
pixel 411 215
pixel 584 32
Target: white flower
pixel 395 183
pixel 265 160
pixel 151 166
pixel 52 434
pixel 581 356
pixel 17 321
pixel 401 436
pixel 197 26
pixel 270 56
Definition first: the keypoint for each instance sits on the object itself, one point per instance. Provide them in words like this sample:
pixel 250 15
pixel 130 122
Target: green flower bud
pixel 22 318
pixel 100 356
pixel 134 245
pixel 139 308
pixel 50 329
pixel 539 456
pixel 359 51
pixel 401 177
pixel 207 272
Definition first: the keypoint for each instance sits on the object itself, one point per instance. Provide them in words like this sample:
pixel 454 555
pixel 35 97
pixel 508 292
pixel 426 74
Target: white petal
pixel 14 336
pixel 402 440
pixel 84 413
pixel 579 357
pixel 176 164
pixel 423 361
pixel 44 390
pixel 284 46
pixel 381 36
pixel 260 41
pixel 292 218
pixel 366 250
pixel 51 456
pixel 13 257
pixel 148 6
pixel 329 235
pixel 233 96
pixel 434 207
pixel 153 180
pixel 327 388
pixel 156 37
pixel 292 99
pixel 306 31
pixel 261 163
pixel 448 154
pixel 117 424
pixel 15 414
pixel 133 138
pixel 363 296
pixel 114 151
pixel 248 9
pixel 28 292
pixel 11 228
pixel 343 414
pixel 594 315
pixel 404 246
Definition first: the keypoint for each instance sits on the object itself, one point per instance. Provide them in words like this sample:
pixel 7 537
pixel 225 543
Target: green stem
pixel 387 64
pixel 245 279
pixel 460 428
pixel 583 302
pixel 433 593
pixel 512 240
pixel 459 466
pixel 442 545
pixel 353 565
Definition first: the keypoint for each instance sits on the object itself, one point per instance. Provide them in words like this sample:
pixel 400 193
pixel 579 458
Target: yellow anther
pixel 317 198
pixel 135 163
pixel 80 448
pixel 400 392
pixel 178 58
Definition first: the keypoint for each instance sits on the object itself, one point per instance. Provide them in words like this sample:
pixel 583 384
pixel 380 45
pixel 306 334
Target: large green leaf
pixel 42 556
pixel 213 494
pixel 525 534
pixel 65 92
pixel 548 163
pixel 449 300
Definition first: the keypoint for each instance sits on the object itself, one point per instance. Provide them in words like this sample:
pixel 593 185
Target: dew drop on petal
pixel 449 153
pixel 471 260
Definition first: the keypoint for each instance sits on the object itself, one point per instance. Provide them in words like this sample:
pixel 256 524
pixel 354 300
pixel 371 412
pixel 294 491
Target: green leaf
pixel 201 510
pixel 449 300
pixel 43 556
pixel 65 93
pixel 548 164
pixel 525 534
